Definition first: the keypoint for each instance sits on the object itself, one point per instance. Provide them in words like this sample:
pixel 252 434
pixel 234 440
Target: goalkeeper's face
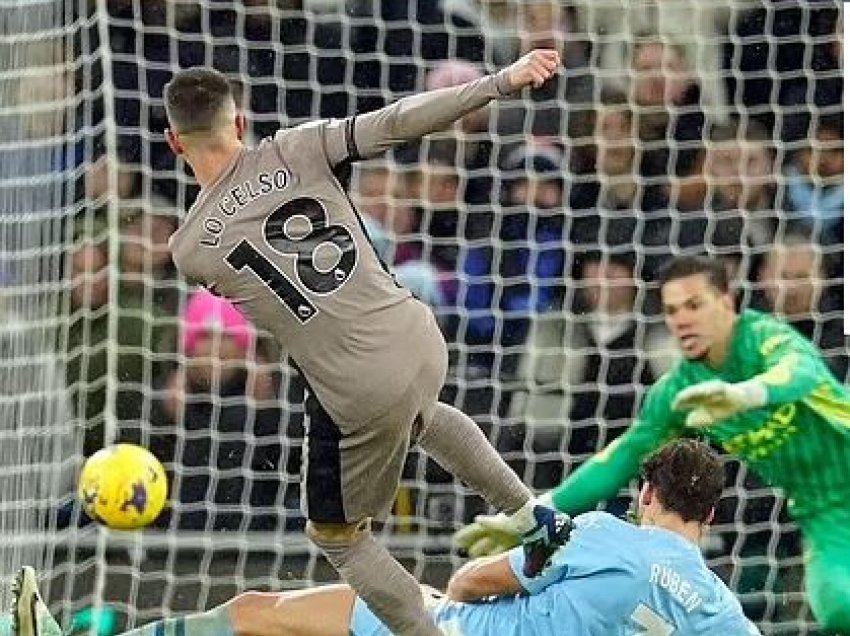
pixel 700 316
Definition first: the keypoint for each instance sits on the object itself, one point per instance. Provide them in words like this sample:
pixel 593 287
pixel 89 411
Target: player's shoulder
pixel 599 522
pixel 768 332
pixel 672 381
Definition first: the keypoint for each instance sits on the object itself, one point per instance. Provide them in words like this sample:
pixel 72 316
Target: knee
pixel 337 534
pixel 243 608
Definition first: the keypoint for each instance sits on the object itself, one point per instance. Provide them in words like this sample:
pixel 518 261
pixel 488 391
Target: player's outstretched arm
pixel 483 578
pixel 792 370
pixel 413 117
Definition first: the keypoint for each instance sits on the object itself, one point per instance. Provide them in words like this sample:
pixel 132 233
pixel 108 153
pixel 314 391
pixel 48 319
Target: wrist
pixel 754 392
pixel 546 499
pixel 503 83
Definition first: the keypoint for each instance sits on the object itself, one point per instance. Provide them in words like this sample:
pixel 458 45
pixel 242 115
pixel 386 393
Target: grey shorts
pixel 353 470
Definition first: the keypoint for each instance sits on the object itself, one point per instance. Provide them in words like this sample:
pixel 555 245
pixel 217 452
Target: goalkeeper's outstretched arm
pixel 601 477
pixel 792 369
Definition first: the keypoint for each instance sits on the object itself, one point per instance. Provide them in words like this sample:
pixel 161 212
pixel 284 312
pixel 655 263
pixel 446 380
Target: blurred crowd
pixel 535 227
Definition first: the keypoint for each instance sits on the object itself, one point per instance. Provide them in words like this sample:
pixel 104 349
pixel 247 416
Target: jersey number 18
pixel 303 247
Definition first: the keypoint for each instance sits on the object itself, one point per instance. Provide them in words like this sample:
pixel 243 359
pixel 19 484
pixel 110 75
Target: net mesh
pixel 677 127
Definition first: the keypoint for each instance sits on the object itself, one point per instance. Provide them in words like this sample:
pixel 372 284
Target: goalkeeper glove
pixel 489 535
pixel 715 400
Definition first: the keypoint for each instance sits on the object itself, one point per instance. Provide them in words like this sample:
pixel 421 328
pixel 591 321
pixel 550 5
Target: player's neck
pixel 208 163
pixel 689 530
pixel 717 354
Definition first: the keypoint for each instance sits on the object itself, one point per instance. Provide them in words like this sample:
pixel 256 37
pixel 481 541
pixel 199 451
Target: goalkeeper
pixel 756 387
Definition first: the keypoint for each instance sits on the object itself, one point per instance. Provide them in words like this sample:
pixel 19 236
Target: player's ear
pixel 710 517
pixel 241 125
pixel 173 140
pixel 646 492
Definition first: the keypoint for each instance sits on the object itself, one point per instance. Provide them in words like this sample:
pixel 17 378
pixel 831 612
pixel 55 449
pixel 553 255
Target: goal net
pixel 534 228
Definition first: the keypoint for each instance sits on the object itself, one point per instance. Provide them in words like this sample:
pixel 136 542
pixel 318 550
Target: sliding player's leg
pixel 30 616
pixel 352 475
pixel 827 565
pixel 456 442
pixel 323 611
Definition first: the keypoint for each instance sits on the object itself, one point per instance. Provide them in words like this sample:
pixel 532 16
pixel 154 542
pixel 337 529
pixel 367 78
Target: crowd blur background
pixel 534 228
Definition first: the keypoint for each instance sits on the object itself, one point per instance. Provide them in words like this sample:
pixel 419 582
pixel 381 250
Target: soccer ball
pixel 123 486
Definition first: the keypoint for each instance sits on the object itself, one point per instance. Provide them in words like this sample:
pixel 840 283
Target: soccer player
pixel 754 385
pixel 274 231
pixel 612 577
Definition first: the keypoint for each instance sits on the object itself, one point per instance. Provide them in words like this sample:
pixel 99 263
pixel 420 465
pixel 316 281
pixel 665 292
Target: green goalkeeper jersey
pixel 800 441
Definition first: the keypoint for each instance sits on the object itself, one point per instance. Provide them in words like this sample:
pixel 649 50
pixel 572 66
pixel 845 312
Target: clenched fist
pixel 534 68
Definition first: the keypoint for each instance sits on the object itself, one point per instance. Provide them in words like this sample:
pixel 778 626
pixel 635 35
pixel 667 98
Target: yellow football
pixel 123 486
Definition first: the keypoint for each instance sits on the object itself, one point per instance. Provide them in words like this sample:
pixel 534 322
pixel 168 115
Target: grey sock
pixel 387 588
pixel 215 622
pixel 459 446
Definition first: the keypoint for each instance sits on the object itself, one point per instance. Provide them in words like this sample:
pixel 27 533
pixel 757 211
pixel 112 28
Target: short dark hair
pixel 688 477
pixel 714 269
pixel 194 99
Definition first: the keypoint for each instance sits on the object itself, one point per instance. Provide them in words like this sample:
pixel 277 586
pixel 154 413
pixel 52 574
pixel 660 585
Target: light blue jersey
pixel 612 579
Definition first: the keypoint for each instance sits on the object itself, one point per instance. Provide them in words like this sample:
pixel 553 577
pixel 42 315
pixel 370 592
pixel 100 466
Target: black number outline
pixel 246 254
pixel 321 232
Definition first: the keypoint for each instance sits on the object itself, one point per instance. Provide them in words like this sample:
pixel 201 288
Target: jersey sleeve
pixel 792 368
pixel 581 547
pixel 602 476
pixel 370 134
pixel 363 136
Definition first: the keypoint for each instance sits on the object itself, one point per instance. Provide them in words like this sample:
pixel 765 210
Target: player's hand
pixel 532 69
pixel 715 400
pixel 487 536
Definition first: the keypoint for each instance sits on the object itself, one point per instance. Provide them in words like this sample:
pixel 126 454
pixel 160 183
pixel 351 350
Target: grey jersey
pixel 277 234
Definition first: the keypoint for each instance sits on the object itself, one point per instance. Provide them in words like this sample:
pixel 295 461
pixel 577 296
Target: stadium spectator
pixel 699 28
pixel 610 204
pixel 794 285
pixel 421 29
pixel 815 179
pixel 434 187
pixel 550 112
pixel 98 187
pixel 742 174
pixel 141 329
pixel 389 223
pixel 467 144
pixel 795 77
pixel 506 282
pixel 146 264
pixel 583 363
pixel 218 427
pixel 667 98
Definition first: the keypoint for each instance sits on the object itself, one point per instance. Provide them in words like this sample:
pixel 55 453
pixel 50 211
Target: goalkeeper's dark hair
pixel 687 476
pixel 196 98
pixel 714 269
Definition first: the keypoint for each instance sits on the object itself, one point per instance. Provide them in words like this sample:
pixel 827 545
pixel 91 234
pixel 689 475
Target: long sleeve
pixel 370 134
pixel 792 368
pixel 602 476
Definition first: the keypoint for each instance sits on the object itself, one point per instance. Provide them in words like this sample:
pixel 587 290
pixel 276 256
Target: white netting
pixel 674 126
